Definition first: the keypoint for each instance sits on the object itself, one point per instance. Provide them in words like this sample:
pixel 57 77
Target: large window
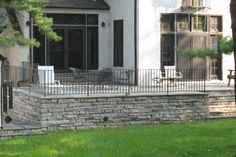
pixel 199 23
pixel 190 31
pixel 118 42
pixel 78 47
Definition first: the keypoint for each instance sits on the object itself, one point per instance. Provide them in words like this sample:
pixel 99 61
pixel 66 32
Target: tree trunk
pixel 233 26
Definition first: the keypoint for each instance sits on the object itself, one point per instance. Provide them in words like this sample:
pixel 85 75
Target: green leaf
pixel 35 8
pixel 194 53
pixel 225 44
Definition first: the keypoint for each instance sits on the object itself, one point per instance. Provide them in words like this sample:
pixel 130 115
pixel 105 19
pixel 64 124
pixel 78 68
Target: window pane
pixel 39 52
pixel 68 18
pixel 118 43
pixel 167 50
pixel 216 24
pixel 167 22
pixel 199 23
pixel 198 42
pixel 182 22
pixel 92 19
pixel 92 47
pixel 76 48
pixel 57 51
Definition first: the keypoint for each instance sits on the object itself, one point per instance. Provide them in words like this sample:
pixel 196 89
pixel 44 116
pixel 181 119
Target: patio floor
pixel 18 127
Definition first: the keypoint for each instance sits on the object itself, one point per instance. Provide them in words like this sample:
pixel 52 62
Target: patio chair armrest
pixel 179 75
pixel 156 78
pixel 57 82
pixel 76 73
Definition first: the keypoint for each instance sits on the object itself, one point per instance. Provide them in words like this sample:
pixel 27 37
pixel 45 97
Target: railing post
pixel 128 73
pixel 204 81
pixel 88 82
pixel 167 81
pixel 44 83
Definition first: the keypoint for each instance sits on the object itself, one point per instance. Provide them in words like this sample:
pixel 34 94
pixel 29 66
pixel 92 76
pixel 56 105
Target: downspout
pixel 31 37
pixel 135 41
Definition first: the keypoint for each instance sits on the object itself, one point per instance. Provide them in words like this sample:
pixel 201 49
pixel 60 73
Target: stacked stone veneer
pixel 221 104
pixel 10 133
pixel 26 107
pixel 62 112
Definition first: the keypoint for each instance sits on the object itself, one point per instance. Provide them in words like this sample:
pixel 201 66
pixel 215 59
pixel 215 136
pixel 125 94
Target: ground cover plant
pixel 192 139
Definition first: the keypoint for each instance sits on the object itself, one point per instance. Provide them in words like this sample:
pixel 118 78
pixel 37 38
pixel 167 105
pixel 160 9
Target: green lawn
pixel 193 139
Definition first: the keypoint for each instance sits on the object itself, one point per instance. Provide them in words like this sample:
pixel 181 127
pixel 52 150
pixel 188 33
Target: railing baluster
pixel 119 81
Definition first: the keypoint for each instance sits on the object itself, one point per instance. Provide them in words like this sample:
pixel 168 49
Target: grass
pixel 194 139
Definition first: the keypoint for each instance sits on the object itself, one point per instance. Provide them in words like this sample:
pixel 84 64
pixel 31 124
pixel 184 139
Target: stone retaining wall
pixel 67 112
pixel 26 107
pixel 221 104
pixel 77 112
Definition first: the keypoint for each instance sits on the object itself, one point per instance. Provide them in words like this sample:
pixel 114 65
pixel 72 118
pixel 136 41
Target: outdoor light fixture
pixel 105 119
pixel 27 23
pixel 103 24
pixel 8 119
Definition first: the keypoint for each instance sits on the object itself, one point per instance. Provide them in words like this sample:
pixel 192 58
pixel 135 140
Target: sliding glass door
pixel 70 51
pixel 78 47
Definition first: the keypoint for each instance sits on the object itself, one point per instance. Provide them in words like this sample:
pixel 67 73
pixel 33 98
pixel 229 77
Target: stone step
pixel 10 133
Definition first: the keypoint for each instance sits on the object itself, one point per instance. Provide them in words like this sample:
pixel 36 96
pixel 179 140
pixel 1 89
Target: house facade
pixel 133 34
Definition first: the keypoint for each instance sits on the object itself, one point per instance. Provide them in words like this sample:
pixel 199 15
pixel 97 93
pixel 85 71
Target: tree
pixel 13 10
pixel 233 26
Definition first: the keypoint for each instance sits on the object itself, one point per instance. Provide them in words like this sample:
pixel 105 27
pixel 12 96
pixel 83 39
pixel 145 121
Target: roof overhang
pixel 79 4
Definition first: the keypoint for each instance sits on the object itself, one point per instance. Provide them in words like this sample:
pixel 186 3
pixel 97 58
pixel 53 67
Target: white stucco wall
pixel 18 53
pixel 123 9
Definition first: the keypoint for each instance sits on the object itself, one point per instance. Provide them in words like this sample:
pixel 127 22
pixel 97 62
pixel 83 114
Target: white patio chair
pixel 47 80
pixel 125 77
pixel 158 78
pixel 172 75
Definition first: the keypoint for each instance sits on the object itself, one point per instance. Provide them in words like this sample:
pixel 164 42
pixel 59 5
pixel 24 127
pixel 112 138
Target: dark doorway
pixel 70 51
pixel 78 47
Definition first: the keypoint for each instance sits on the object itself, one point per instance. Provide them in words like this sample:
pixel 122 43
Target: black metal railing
pixel 106 81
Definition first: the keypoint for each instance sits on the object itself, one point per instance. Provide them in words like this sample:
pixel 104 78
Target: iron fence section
pixel 106 81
